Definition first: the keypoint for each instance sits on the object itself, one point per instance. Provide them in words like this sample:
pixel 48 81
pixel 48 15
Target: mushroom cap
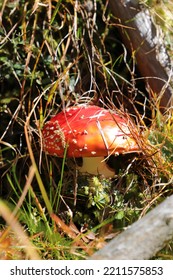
pixel 88 131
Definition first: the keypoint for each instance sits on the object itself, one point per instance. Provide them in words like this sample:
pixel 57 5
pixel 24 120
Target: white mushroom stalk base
pixel 96 166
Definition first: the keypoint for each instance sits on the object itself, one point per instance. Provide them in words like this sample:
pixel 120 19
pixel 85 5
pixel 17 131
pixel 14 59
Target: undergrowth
pixel 56 54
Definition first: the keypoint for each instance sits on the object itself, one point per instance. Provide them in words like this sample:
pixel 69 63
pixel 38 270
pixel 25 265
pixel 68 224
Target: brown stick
pixel 139 35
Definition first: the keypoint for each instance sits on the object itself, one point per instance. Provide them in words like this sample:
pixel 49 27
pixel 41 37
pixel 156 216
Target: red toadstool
pixel 90 132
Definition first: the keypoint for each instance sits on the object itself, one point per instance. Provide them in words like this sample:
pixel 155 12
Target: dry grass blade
pixel 27 246
pixel 70 233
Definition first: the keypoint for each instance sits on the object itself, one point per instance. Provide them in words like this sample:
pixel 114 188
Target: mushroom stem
pixel 96 166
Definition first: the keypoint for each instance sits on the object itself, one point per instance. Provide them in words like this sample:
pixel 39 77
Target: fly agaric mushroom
pixel 90 132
